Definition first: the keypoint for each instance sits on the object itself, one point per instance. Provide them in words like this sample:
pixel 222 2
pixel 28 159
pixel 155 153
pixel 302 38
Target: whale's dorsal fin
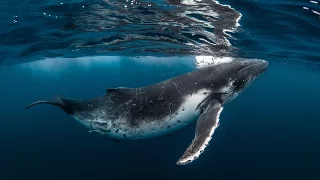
pixel 206 125
pixel 109 90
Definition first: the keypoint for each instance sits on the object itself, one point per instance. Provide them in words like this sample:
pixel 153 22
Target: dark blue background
pixel 271 131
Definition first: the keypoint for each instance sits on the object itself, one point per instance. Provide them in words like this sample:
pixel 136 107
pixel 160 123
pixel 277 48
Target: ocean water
pixel 80 48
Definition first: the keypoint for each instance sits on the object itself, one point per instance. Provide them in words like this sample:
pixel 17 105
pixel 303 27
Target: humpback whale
pixel 166 107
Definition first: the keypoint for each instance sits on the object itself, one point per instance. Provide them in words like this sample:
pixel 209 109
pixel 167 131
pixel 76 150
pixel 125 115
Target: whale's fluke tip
pixel 40 102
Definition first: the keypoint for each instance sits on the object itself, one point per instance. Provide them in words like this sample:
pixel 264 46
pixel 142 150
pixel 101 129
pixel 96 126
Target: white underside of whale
pixel 184 116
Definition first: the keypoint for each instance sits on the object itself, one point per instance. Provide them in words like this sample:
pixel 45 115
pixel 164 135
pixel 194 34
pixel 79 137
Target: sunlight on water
pixel 59 66
pixel 203 61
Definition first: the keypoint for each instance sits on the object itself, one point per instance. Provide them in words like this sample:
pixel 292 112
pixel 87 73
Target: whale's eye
pixel 235 83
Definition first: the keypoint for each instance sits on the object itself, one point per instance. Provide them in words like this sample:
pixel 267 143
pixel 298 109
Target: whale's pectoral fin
pixel 206 125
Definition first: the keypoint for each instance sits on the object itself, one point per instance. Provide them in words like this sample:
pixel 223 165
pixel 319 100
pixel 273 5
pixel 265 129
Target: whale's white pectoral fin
pixel 206 125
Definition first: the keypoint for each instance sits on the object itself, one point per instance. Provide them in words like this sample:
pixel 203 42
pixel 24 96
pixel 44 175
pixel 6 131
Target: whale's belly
pixel 185 115
pixel 121 129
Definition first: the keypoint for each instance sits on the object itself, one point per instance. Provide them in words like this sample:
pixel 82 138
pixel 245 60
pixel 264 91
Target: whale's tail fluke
pixel 43 102
pixel 56 102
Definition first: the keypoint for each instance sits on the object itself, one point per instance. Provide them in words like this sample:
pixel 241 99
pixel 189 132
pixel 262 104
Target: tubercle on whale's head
pixel 231 78
pixel 249 71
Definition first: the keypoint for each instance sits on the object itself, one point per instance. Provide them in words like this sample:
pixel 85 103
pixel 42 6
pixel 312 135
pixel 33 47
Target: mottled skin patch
pixel 153 103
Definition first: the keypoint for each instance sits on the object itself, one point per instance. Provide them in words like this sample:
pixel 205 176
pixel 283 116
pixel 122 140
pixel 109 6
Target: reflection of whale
pixel 170 28
pixel 166 107
pixel 119 28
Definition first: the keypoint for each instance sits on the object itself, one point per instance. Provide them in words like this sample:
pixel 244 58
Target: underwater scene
pixel 160 89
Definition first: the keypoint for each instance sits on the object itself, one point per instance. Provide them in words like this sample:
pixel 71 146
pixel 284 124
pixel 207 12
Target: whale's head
pixel 230 79
pixel 248 71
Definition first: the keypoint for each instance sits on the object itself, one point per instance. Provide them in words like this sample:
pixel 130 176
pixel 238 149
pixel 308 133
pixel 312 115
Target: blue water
pixel 80 48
